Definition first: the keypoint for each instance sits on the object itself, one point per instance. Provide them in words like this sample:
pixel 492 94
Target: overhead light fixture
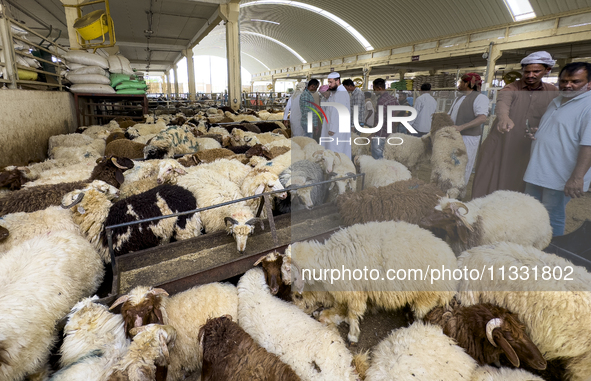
pixel 270 22
pixel 278 43
pixel 520 9
pixel 366 45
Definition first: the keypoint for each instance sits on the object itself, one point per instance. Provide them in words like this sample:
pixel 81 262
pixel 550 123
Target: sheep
pixel 556 313
pixel 237 219
pixel 173 140
pixel 258 182
pixel 241 117
pixel 146 176
pixel 419 352
pixel 313 351
pixel 206 143
pixel 303 141
pixel 490 219
pixel 42 280
pixel 230 354
pixel 303 173
pixel 96 149
pixel 125 148
pixel 489 373
pixel 240 137
pixel 361 145
pixel 412 153
pixel 63 174
pixel 487 331
pixel 239 149
pixel 144 129
pixel 100 132
pixel 144 139
pixel 68 140
pixel 19 227
pixel 448 162
pixel 232 170
pixel 43 196
pixel 296 153
pixel 206 156
pixel 92 210
pixel 379 173
pixel 383 245
pixel 440 120
pixel 148 355
pixel 13 178
pixel 94 340
pixel 408 200
pixel 187 312
pixel 114 136
pixel 285 132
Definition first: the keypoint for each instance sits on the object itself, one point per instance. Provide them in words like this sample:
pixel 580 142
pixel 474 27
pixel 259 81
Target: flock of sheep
pixel 276 324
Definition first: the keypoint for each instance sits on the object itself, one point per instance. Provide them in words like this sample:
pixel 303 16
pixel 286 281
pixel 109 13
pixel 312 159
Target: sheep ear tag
pixel 81 210
pixel 119 177
pixel 507 348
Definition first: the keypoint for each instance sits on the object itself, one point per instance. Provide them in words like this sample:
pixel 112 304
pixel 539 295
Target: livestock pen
pixel 212 257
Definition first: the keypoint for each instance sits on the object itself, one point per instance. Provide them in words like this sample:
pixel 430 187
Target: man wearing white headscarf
pixel 331 137
pixel 504 154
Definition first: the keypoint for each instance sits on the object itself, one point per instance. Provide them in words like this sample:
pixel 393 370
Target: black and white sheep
pixel 501 216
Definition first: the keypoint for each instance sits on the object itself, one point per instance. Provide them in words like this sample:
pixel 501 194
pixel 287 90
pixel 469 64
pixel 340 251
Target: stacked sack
pixel 23 47
pixel 88 73
pixel 123 77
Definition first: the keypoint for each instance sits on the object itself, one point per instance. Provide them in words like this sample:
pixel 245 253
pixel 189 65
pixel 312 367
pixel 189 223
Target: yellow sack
pixel 27 75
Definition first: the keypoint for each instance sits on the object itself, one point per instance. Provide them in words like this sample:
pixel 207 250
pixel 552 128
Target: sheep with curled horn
pixel 502 216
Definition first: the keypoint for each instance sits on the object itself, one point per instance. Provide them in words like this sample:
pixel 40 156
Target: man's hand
pixel 286 123
pixel 574 187
pixel 330 133
pixel 458 128
pixel 505 125
pixel 531 133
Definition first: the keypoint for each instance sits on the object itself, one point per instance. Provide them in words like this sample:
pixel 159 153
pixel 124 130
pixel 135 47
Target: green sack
pixel 131 91
pixel 131 85
pixel 118 78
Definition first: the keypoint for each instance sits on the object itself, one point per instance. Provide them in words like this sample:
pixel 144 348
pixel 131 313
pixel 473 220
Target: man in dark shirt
pixel 385 99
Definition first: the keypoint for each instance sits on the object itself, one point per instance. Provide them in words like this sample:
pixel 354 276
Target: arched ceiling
pixel 384 23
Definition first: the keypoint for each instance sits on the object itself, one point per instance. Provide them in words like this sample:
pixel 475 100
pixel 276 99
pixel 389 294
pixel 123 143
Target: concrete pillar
pixel 191 73
pixel 366 71
pixel 71 16
pixel 9 69
pixel 273 82
pixel 168 84
pixel 401 74
pixel 164 84
pixel 230 13
pixel 176 81
pixel 493 55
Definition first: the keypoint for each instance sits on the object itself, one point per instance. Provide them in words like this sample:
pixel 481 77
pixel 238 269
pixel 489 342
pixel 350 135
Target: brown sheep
pixel 486 331
pixel 125 148
pixel 108 169
pixel 267 126
pixel 205 156
pixel 125 122
pixel 230 354
pixel 408 200
pixel 239 149
pixel 3 233
pixel 277 151
pixel 13 177
pixel 115 136
pixel 249 127
pixel 440 120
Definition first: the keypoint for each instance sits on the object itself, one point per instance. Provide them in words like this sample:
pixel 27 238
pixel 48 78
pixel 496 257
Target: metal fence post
pixel 8 55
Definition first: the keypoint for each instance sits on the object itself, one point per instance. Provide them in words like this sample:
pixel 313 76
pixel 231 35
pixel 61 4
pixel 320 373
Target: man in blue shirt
pixel 558 169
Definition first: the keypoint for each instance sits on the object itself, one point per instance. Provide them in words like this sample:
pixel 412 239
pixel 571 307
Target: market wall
pixel 28 118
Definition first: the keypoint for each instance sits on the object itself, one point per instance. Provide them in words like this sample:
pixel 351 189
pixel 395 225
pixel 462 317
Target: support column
pixel 71 16
pixel 230 13
pixel 273 82
pixel 9 70
pixel 168 85
pixel 163 87
pixel 366 71
pixel 176 81
pixel 493 55
pixel 191 73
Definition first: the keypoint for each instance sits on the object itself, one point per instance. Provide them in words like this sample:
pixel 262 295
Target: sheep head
pixel 304 194
pixel 13 177
pixel 241 225
pixel 343 186
pixel 142 306
pixel 448 215
pixel 169 170
pixel 96 187
pixel 278 269
pixel 161 336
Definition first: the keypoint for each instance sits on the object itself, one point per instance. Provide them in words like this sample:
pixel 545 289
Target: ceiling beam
pixel 151 62
pixel 131 44
pixel 211 23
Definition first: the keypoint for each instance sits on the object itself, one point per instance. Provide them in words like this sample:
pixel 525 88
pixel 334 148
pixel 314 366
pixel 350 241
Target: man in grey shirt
pixel 558 169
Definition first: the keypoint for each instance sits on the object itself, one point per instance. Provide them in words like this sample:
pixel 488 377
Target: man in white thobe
pixel 335 140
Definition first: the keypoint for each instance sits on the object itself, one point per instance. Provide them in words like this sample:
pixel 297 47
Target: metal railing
pixel 265 201
pixel 9 66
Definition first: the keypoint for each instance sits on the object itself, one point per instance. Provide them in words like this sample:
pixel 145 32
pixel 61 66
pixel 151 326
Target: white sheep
pixel 557 313
pixel 24 226
pixel 42 280
pixel 313 351
pixel 211 188
pixel 258 182
pixel 380 246
pixel 207 143
pixel 448 162
pixel 150 348
pixel 411 153
pixel 63 174
pixel 302 141
pixel 277 165
pixel 233 170
pixel 489 373
pixel 68 140
pixel 421 352
pixel 379 173
pixel 102 131
pixel 297 153
pixel 240 137
pixel 94 340
pixel 187 312
pixel 95 149
pixel 145 174
pixel 500 216
pixel 139 129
